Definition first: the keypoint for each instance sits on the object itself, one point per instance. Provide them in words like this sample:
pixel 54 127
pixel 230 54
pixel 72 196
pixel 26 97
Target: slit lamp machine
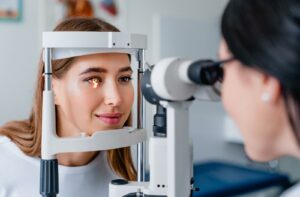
pixel 172 84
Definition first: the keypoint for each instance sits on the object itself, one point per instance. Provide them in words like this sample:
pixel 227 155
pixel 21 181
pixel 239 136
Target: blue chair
pixel 216 179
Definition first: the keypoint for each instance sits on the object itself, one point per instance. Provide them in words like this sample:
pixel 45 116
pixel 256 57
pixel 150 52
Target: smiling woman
pixel 92 93
pixel 99 86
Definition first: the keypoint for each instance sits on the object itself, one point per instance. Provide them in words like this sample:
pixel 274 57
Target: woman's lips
pixel 110 118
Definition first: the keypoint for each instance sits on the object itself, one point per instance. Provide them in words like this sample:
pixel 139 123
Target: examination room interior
pixel 189 29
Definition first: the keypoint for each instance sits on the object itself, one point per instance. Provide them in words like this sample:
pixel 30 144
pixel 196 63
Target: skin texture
pixel 95 94
pixel 263 123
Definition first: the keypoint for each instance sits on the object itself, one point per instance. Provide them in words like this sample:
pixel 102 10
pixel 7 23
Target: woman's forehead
pixel 103 57
pixel 108 62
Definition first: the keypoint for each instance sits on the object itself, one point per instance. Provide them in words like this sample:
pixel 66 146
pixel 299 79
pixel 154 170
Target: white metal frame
pixel 58 45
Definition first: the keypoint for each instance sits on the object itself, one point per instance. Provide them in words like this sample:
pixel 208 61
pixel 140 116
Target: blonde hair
pixel 26 134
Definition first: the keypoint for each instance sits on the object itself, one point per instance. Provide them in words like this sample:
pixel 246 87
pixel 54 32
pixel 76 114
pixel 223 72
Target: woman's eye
pixel 126 79
pixel 95 82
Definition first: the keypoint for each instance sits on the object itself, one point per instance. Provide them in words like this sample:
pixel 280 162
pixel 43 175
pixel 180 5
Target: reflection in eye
pixel 95 82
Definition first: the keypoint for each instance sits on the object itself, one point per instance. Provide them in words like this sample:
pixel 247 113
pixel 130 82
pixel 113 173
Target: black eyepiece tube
pixel 205 72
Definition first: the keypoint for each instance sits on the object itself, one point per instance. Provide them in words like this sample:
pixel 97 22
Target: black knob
pixel 119 182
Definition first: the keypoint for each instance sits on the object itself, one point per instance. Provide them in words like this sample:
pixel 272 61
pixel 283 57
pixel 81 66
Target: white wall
pixel 140 15
pixel 19 52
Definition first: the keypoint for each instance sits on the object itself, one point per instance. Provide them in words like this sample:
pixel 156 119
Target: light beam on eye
pixel 95 83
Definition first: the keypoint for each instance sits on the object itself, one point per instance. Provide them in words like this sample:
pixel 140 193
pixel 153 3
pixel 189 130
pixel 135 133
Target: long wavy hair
pixel 26 134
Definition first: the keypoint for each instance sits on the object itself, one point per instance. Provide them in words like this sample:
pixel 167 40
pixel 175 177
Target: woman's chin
pixel 105 128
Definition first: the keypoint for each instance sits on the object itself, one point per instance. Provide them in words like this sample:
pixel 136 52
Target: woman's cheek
pixel 131 97
pixel 87 96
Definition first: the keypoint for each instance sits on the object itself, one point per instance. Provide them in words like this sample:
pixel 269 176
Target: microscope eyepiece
pixel 205 72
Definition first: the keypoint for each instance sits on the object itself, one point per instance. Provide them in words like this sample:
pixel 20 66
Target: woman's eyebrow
pixel 125 69
pixel 94 70
pixel 103 70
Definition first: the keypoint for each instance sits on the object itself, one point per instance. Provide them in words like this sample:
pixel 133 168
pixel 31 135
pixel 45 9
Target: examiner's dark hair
pixel 265 35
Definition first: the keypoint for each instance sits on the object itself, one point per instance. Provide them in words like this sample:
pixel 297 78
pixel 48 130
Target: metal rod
pixel 48 69
pixel 49 168
pixel 141 118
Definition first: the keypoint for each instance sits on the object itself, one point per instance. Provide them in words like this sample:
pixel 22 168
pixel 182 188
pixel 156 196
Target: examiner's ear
pixel 271 89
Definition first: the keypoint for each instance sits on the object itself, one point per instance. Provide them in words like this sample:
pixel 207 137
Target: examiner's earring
pixel 265 97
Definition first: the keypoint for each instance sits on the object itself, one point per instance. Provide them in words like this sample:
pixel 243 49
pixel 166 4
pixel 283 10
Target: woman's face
pixel 259 121
pixel 95 94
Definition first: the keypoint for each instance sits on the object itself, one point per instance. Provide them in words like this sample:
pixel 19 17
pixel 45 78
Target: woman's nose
pixel 112 95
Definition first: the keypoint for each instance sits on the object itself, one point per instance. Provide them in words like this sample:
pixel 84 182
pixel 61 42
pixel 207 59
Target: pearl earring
pixel 265 97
